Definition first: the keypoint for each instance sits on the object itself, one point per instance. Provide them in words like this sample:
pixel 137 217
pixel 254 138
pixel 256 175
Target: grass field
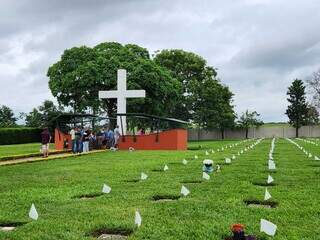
pixel 207 213
pixel 19 149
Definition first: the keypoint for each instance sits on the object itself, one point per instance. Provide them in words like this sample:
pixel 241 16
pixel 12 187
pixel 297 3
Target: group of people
pixel 84 139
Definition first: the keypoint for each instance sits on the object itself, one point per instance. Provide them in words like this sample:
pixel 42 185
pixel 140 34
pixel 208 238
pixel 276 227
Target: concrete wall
pixel 261 132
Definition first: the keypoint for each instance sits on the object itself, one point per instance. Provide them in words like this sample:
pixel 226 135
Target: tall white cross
pixel 121 94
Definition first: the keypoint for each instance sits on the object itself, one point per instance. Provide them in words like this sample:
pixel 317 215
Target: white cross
pixel 121 95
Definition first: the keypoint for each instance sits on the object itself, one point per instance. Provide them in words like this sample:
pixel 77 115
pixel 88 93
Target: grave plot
pixel 165 197
pixel 10 226
pixel 111 233
pixel 260 203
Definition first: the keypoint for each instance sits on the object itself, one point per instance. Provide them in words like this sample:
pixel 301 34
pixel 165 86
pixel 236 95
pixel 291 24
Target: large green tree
pixel 7 118
pixel 191 70
pixel 249 119
pixel 82 72
pixel 297 110
pixel 205 101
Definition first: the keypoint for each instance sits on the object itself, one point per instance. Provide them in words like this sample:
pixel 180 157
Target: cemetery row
pixel 164 179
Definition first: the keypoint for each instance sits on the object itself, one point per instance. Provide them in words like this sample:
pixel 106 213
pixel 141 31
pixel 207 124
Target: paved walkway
pixel 52 157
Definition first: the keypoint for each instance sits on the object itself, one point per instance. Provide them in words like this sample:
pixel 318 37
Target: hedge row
pixel 19 135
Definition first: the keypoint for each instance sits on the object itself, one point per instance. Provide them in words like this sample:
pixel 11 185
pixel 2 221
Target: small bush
pixel 19 135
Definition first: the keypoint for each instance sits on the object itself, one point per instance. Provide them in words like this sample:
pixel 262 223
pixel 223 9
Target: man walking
pixel 45 141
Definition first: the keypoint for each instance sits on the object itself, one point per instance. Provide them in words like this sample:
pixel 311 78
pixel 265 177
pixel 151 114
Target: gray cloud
pixel 259 46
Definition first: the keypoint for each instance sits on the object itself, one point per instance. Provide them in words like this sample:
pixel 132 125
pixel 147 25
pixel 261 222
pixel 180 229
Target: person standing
pixel 45 141
pixel 73 140
pixel 116 136
pixel 85 141
pixel 78 140
pixel 110 138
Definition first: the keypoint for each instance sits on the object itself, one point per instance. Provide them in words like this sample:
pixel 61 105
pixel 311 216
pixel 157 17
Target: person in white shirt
pixel 116 136
pixel 73 139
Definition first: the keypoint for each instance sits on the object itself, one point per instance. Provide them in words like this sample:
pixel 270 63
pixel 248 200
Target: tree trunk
pixel 247 130
pixel 297 132
pixel 222 134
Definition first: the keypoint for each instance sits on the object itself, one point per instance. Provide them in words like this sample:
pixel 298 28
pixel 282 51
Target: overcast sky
pixel 258 46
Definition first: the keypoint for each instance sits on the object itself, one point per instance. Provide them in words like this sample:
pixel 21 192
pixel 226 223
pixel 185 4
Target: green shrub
pixel 19 135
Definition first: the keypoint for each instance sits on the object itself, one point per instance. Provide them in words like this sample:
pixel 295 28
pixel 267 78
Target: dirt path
pixel 37 159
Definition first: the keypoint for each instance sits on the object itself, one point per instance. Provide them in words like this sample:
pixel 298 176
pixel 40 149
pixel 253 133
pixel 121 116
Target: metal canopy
pixel 148 116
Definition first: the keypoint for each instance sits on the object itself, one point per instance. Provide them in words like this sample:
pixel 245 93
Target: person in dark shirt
pixel 45 141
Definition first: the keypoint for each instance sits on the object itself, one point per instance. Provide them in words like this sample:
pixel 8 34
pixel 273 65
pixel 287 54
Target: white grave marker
pixel 270 179
pixel 121 94
pixel 33 214
pixel 144 176
pixel 228 161
pixel 184 191
pixel 106 188
pixel 205 176
pixel 267 195
pixel 137 219
pixel 268 227
pixel 271 165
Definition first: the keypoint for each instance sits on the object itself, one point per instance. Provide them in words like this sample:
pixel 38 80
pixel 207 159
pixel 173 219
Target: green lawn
pixel 206 213
pixel 18 149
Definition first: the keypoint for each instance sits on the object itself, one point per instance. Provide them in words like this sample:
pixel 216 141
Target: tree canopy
pixel 178 84
pixel 81 72
pixel 7 118
pixel 297 110
pixel 205 101
pixel 249 119
pixel 43 115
